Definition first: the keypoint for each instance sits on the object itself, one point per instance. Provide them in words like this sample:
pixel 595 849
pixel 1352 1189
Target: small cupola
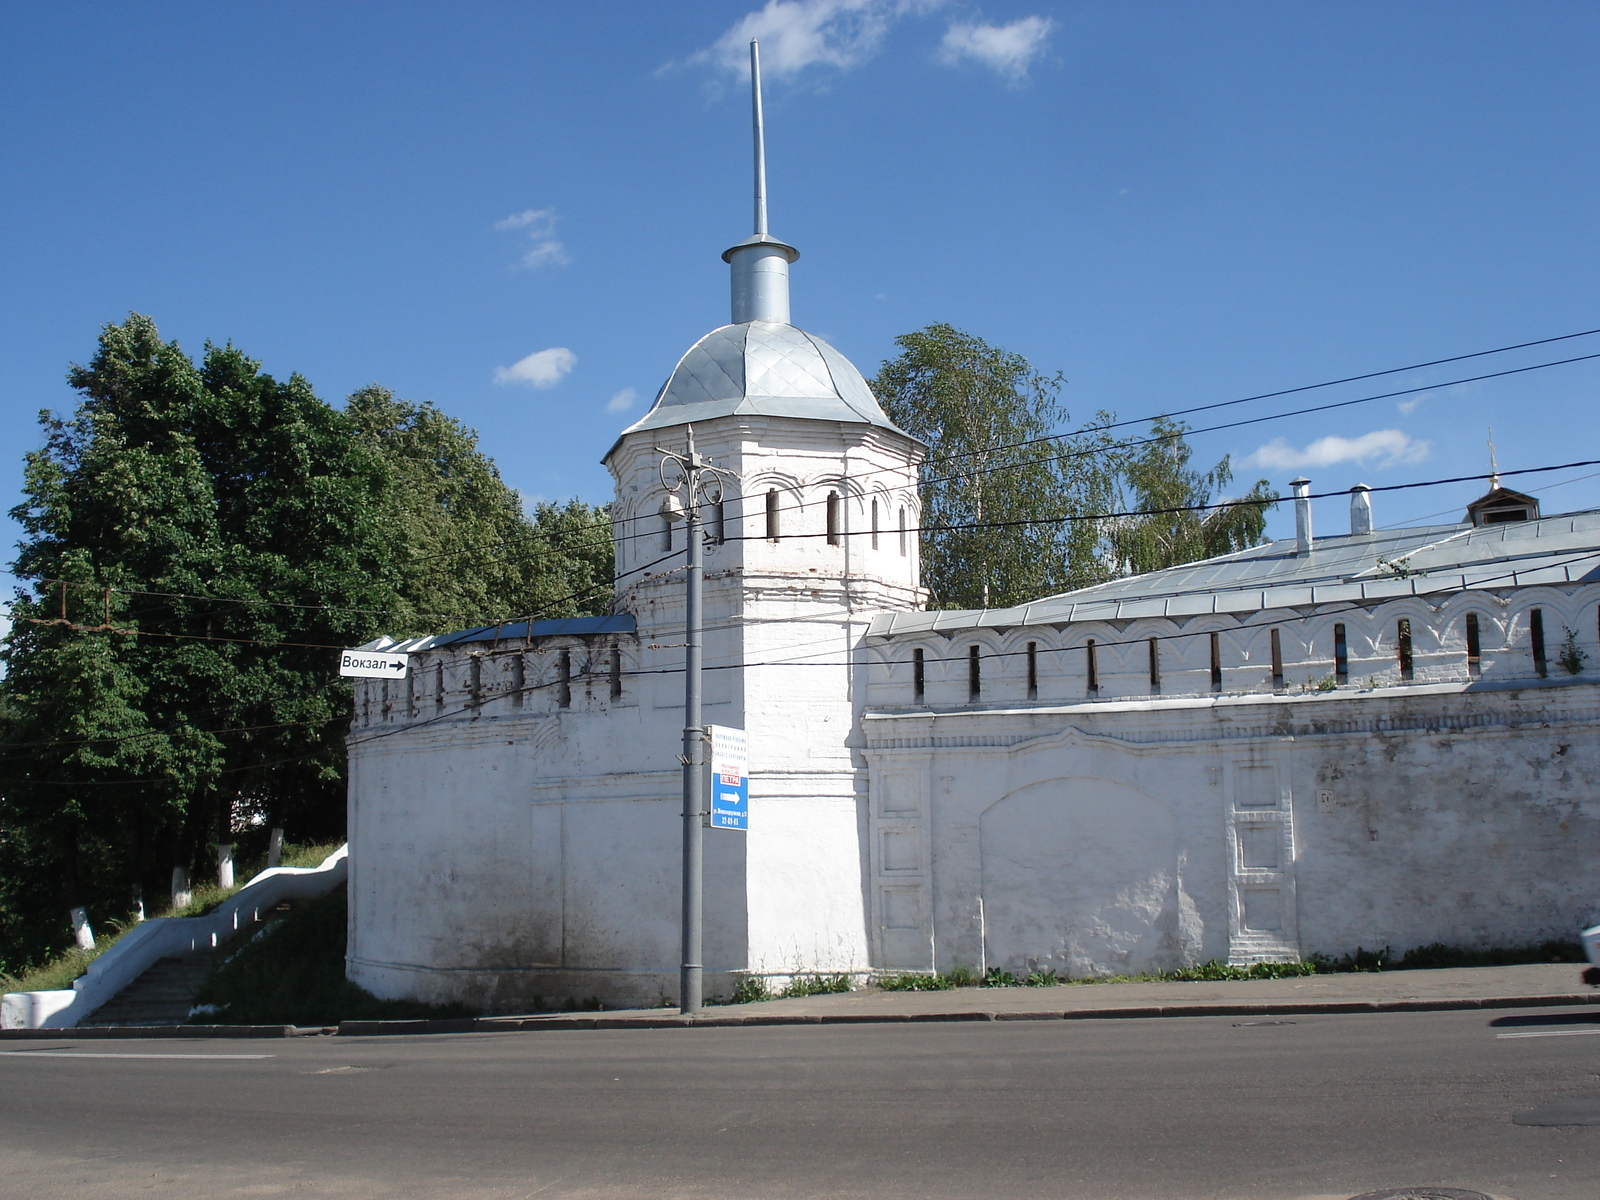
pixel 1500 505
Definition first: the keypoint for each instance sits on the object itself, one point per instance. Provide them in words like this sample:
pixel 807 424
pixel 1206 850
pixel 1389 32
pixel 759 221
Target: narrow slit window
pixel 438 688
pixel 834 519
pixel 666 533
pixel 974 679
pixel 518 672
pixel 1536 636
pixel 616 673
pixel 564 680
pixel 1216 663
pixel 475 684
pixel 1474 647
pixel 918 679
pixel 1155 666
pixel 1277 662
pixel 874 524
pixel 1094 668
pixel 1403 646
pixel 772 514
pixel 902 531
pixel 719 522
pixel 1341 655
pixel 1033 670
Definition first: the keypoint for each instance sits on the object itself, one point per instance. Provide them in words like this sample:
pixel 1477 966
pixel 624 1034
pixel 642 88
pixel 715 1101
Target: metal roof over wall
pixel 1426 560
pixel 511 631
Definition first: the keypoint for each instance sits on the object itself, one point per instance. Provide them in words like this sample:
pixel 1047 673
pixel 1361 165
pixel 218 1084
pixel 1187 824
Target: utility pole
pixel 690 479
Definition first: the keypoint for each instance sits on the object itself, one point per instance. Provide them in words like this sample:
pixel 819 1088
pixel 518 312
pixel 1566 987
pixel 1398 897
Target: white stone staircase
pixel 190 940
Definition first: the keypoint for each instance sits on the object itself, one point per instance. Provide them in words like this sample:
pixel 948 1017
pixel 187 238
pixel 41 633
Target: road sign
pixel 730 778
pixel 372 664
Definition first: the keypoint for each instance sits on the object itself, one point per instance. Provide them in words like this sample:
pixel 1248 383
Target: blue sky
pixel 516 210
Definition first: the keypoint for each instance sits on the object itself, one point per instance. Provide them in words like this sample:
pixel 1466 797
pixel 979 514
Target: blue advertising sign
pixel 730 778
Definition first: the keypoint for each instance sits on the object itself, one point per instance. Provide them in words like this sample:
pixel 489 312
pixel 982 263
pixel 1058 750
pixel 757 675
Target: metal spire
pixel 760 136
pixel 1494 467
pixel 760 263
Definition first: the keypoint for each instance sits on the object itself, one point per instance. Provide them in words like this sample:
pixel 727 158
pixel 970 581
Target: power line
pixel 1156 512
pixel 622 537
pixel 1346 606
pixel 1130 443
pixel 1310 387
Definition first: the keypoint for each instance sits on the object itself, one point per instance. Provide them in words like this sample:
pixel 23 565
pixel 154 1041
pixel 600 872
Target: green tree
pixel 144 720
pixel 1012 509
pixel 982 411
pixel 198 541
pixel 1157 476
pixel 464 550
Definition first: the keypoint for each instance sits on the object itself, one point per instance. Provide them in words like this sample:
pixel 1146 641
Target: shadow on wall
pixel 1086 877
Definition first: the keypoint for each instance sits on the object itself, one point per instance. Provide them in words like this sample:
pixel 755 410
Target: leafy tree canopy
pixel 199 538
pixel 456 534
pixel 1013 509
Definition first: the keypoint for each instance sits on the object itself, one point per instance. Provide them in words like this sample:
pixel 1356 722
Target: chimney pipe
pixel 1360 511
pixel 1302 514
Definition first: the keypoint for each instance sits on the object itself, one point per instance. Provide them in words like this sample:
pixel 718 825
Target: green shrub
pixel 750 989
pixel 816 985
pixel 911 981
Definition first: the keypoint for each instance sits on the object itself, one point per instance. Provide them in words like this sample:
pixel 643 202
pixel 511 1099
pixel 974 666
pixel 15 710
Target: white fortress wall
pixel 1142 830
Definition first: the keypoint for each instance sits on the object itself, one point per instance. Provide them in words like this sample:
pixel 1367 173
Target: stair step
pixel 163 995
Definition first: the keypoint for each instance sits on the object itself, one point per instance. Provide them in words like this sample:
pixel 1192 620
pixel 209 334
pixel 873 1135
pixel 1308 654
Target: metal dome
pixel 763 368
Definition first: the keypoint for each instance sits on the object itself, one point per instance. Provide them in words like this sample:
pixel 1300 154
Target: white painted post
pixel 983 942
pixel 181 895
pixel 275 846
pixel 225 864
pixel 81 933
pixel 138 903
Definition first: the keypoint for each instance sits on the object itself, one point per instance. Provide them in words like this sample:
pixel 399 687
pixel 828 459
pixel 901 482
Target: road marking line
pixel 1552 1033
pixel 110 1054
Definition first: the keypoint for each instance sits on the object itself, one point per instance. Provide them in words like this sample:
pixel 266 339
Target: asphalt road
pixel 1324 1106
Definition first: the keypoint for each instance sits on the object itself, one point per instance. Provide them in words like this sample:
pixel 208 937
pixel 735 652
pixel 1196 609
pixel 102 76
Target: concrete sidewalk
pixel 1539 985
pixel 1536 986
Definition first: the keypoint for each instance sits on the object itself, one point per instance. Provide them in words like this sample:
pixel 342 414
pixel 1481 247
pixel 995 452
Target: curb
pixel 730 1020
pixel 720 1021
pixel 92 1032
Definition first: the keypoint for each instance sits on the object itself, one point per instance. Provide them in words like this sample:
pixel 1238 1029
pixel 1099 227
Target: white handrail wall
pixel 165 937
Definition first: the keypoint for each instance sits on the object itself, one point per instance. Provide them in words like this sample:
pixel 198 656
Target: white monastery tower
pixel 526 816
pixel 820 537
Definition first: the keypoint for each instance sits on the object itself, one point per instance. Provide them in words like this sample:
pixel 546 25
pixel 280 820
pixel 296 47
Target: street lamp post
pixel 690 479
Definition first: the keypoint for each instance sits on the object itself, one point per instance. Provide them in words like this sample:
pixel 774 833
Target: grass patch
pixel 912 981
pixel 292 973
pixel 753 988
pixel 57 972
pixel 1419 958
pixel 208 897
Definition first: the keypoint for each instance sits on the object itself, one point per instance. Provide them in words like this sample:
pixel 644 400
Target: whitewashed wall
pixel 1145 835
pixel 509 849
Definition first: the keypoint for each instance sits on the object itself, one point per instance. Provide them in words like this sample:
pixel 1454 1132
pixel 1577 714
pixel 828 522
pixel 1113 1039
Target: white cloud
pixel 542 369
pixel 622 401
pixel 1380 448
pixel 1410 406
pixel 796 34
pixel 538 225
pixel 1007 50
